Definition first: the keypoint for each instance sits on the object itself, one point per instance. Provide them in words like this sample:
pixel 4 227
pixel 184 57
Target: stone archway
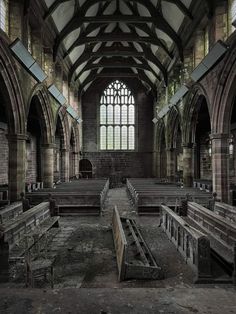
pixel 86 168
pixel 61 152
pixel 160 151
pixel 39 112
pixel 196 136
pixel 14 109
pixel 223 130
pixel 174 146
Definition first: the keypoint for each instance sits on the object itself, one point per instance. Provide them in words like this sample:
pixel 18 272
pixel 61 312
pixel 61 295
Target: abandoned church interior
pixel 117 156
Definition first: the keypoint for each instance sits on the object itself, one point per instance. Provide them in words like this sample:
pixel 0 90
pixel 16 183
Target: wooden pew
pixel 10 211
pixel 226 211
pixel 148 197
pixel 34 223
pixel 134 259
pixel 221 232
pixel 81 197
pixel 193 245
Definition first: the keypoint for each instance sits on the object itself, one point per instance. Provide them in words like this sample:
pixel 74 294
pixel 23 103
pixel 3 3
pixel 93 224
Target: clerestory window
pixel 3 15
pixel 117 118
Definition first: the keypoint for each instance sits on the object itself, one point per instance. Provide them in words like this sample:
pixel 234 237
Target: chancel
pixel 117 156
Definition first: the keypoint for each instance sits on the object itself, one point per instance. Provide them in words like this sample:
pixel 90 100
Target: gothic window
pixel 117 118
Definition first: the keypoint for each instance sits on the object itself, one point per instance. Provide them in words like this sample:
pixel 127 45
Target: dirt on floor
pixel 86 277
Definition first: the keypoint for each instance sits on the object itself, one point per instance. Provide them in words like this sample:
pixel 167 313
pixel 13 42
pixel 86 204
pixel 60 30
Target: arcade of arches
pixel 147 50
pixel 194 140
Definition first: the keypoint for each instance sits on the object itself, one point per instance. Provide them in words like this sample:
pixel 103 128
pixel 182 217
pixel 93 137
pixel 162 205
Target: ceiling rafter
pixel 95 75
pixel 158 21
pixel 102 52
pixel 117 65
pixel 129 37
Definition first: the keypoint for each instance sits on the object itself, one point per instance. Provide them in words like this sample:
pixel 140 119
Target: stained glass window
pixel 117 118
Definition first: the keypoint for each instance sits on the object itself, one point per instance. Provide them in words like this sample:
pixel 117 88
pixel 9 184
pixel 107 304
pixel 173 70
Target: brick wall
pixel 132 164
pixel 3 154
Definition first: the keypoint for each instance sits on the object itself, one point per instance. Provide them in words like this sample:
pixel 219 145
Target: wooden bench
pixel 33 223
pixel 9 212
pixel 193 245
pixel 148 197
pixel 221 232
pixel 134 259
pixel 81 197
pixel 226 211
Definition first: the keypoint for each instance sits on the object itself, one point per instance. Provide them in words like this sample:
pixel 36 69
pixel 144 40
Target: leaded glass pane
pixel 103 137
pixel 131 137
pixel 117 114
pixel 124 137
pixel 117 137
pixel 110 137
pixel 110 114
pixel 131 114
pixel 124 114
pixel 103 114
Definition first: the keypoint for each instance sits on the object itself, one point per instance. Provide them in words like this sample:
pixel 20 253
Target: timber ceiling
pixel 117 38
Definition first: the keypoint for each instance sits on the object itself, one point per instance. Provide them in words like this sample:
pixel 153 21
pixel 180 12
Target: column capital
pixel 48 145
pixel 17 137
pixel 219 136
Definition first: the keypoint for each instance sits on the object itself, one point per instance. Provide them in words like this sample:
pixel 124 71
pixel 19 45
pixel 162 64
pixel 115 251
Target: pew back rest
pixel 14 230
pixel 120 243
pixel 226 211
pixel 218 226
pixel 10 211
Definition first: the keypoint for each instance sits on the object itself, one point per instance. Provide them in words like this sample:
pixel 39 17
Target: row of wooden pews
pixel 203 235
pixel 78 197
pixel 147 195
pixel 21 230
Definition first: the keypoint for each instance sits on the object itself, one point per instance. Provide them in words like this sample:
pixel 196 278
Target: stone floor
pixel 86 274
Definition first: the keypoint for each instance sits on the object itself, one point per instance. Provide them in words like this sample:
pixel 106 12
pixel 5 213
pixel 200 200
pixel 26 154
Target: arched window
pixel 117 118
pixel 3 15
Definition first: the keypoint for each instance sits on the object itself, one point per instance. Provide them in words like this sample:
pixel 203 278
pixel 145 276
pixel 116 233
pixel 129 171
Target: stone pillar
pixel 188 165
pixel 76 164
pixel 157 164
pixel 220 165
pixel 17 157
pixel 65 162
pixel 47 153
pixel 171 164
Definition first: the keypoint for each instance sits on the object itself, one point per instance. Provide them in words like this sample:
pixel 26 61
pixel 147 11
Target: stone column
pixel 17 157
pixel 76 163
pixel 188 165
pixel 171 163
pixel 220 165
pixel 47 153
pixel 157 164
pixel 65 161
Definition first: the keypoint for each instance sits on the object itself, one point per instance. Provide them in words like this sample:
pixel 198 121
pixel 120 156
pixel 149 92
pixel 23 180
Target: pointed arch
pixel 117 117
pixel 44 111
pixel 11 90
pixel 192 106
